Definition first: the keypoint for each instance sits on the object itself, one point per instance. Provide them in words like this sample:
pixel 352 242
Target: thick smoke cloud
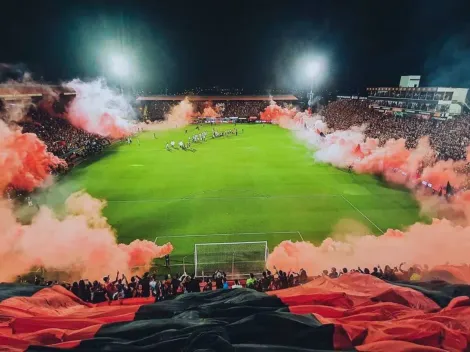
pixel 81 242
pixel 25 162
pixel 180 115
pixel 99 110
pixel 432 244
pixel 16 110
pixel 442 241
pixel 275 114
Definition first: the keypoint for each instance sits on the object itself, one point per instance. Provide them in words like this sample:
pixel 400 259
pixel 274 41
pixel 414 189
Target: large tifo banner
pixel 353 312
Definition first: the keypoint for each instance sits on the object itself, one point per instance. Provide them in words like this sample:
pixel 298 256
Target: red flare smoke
pixel 25 162
pixel 141 252
pixel 440 242
pixel 434 244
pixel 180 115
pixel 398 164
pixel 82 242
pixel 209 112
pixel 274 113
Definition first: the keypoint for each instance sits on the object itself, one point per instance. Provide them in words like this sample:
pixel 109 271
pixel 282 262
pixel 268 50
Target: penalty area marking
pixel 360 212
pixel 231 234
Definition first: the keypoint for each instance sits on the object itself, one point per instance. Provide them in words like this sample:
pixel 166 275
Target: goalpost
pixel 235 258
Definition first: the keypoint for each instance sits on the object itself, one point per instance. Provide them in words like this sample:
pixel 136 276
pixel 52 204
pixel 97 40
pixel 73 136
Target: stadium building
pixel 242 107
pixel 21 95
pixel 411 99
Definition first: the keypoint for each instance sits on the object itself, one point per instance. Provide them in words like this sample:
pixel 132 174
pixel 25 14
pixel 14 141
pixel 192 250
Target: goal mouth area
pixel 236 259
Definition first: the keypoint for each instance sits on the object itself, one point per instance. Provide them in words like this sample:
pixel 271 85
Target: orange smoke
pixel 209 110
pixel 392 160
pixel 180 115
pixel 351 148
pixel 81 242
pixel 443 241
pixel 25 162
pixel 275 114
pixel 432 244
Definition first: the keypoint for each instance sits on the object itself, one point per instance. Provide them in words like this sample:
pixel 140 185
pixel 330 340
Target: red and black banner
pixel 353 312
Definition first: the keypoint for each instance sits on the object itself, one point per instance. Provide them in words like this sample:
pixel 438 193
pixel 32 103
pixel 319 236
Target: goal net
pixel 235 259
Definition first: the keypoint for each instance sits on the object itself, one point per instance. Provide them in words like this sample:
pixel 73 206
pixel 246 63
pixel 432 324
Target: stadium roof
pixel 218 97
pixel 19 91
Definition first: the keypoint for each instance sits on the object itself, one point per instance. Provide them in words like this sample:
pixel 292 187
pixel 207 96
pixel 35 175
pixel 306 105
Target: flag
pixel 354 312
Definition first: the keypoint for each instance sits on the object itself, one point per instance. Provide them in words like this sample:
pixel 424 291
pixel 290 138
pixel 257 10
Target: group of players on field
pixel 196 138
pixel 199 137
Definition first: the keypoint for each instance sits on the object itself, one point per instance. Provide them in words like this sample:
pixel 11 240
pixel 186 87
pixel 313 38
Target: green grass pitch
pixel 261 185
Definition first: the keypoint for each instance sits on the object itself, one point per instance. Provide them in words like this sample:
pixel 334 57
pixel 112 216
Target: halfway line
pixel 220 198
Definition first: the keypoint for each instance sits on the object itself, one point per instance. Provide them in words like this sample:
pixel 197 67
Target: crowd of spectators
pixel 245 108
pixel 61 138
pixel 156 110
pixel 150 285
pixel 414 273
pixel 162 288
pixel 449 138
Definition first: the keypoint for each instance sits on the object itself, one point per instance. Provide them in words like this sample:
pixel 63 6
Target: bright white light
pixel 120 66
pixel 314 68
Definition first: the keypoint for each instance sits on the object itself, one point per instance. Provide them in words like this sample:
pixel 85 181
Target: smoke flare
pixel 25 162
pixel 82 242
pixel 433 244
pixel 99 110
pixel 180 115
pixel 442 241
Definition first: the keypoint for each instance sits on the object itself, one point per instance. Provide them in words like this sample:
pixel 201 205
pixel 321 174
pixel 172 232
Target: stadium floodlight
pixel 314 68
pixel 120 65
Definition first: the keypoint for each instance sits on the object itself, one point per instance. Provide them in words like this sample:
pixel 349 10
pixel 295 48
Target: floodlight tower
pixel 120 67
pixel 314 68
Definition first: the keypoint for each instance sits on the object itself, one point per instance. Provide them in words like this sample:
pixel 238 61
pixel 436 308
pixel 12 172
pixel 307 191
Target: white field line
pixel 219 198
pixel 301 237
pixel 360 212
pixel 230 234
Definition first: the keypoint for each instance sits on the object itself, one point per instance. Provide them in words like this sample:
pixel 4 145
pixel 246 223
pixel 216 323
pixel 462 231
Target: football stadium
pixel 260 185
pixel 203 218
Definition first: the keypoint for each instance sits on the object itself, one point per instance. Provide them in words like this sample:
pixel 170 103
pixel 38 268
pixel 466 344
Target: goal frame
pixel 232 274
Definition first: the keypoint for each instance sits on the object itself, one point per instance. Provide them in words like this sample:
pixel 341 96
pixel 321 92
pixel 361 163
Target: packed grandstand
pixel 387 306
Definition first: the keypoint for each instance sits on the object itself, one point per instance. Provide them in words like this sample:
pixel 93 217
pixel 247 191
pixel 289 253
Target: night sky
pixel 253 45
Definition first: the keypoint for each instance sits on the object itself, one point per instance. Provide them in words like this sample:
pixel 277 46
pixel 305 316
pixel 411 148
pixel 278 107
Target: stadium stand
pixel 41 108
pixel 61 138
pixel 157 107
pixel 450 138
